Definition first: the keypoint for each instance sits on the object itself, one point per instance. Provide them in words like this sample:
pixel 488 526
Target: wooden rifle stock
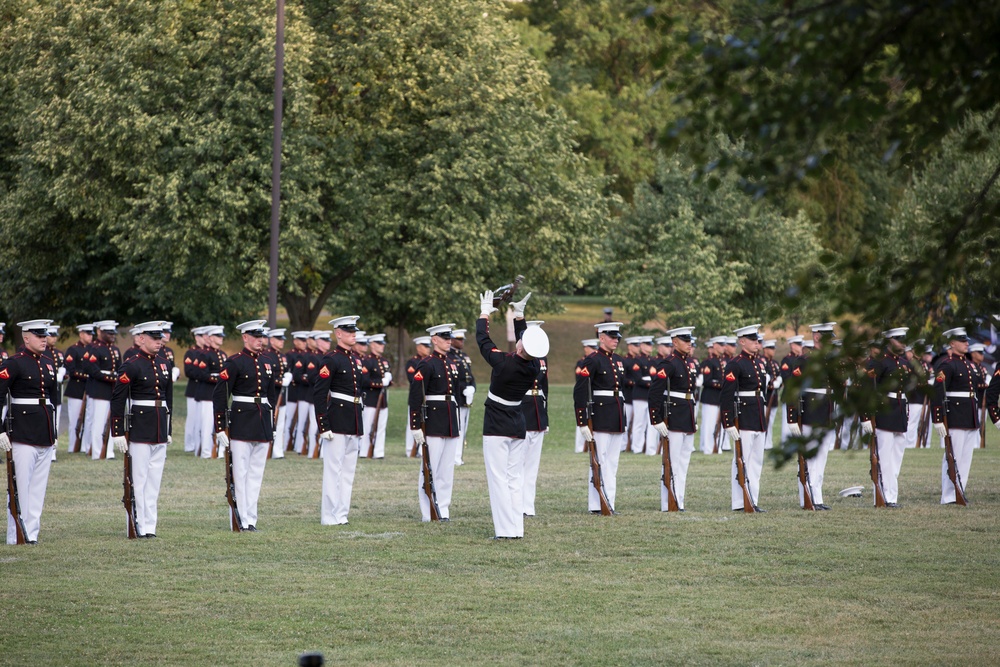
pixel 596 478
pixel 717 432
pixel 506 293
pixel 14 502
pixel 105 437
pixel 949 457
pixel 235 524
pixel 749 506
pixel 80 422
pixel 923 425
pixel 668 476
pixel 425 464
pixel 128 498
pixel 290 443
pixel 876 470
pixel 807 496
pixel 215 447
pixel 374 434
pixel 982 424
pixel 315 451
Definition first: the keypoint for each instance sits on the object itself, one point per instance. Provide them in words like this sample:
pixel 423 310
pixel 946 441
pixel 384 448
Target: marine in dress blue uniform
pixel 250 380
pixel 380 378
pixel 466 388
pixel 28 430
pixel 104 362
pixel 141 408
pixel 742 406
pixel 955 401
pixel 672 410
pixel 338 394
pixel 535 408
pixel 77 384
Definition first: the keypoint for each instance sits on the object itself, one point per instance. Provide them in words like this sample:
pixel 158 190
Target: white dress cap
pixel 749 331
pixel 37 327
pixel 347 323
pixel 458 333
pixel 665 340
pixel 89 328
pixel 822 327
pixel 808 343
pixel 730 340
pixel 301 335
pixel 324 335
pixel 898 331
pixel 53 330
pixel 254 328
pixel 610 328
pixel 535 342
pixel 633 340
pixel 977 347
pixel 590 342
pixel 958 333
pixel 771 342
pixel 442 330
pixel 215 330
pixel 680 332
pixel 276 333
pixel 795 340
pixel 106 325
pixel 422 340
pixel 377 338
pixel 534 323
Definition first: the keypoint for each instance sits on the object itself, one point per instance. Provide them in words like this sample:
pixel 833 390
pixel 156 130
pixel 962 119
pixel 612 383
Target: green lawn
pixel 853 586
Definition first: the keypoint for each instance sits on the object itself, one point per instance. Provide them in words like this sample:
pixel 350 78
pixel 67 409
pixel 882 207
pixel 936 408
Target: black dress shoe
pixel 896 505
pixel 760 510
pixel 251 528
pixel 595 511
pixel 32 542
pixel 823 507
pixel 444 519
pixel 149 535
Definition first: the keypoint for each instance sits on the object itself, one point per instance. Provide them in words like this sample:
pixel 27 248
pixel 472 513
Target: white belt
pixel 898 395
pixel 818 391
pixel 646 378
pixel 159 403
pixel 606 392
pixel 346 397
pixel 679 394
pixel 440 397
pixel 949 394
pixel 748 394
pixel 502 401
pixel 261 400
pixel 31 401
pixel 536 392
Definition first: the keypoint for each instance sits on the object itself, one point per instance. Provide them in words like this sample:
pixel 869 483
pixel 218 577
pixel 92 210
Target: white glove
pixel 795 430
pixel 777 383
pixel 518 306
pixel 941 430
pixel 61 374
pixel 997 424
pixel 661 428
pixel 418 437
pixel 866 427
pixel 326 435
pixel 286 379
pixel 386 379
pixel 170 439
pixel 222 439
pixel 930 379
pixel 5 442
pixel 120 443
pixel 486 303
pixel 175 373
pixel 469 393
pixel 733 433
pixel 585 432
pixel 699 381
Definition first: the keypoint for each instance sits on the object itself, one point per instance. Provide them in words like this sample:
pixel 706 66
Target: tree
pixel 704 257
pixel 140 158
pixel 445 171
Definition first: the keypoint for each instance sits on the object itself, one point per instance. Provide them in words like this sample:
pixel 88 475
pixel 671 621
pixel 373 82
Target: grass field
pixel 853 586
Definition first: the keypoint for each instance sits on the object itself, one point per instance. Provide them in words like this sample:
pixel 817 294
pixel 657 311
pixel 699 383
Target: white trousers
pixel 753 462
pixel 31 467
pixel 709 416
pixel 73 416
pixel 609 449
pixel 147 472
pixel 639 424
pixel 891 446
pixel 278 444
pixel 851 424
pixel 652 439
pixel 305 430
pixel 58 420
pixel 463 431
pixel 504 458
pixel 441 452
pixel 775 411
pixel 88 425
pixel 206 429
pixel 579 442
pixel 913 424
pixel 815 465
pixel 681 447
pixel 963 443
pixel 192 427
pixel 249 459
pixel 340 461
pixel 383 421
pixel 532 462
pixel 102 413
pixel 408 440
pixel 629 413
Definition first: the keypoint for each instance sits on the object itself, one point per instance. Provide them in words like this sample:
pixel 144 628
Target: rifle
pixel 982 424
pixel 749 506
pixel 717 432
pixel 668 472
pixel 425 462
pixel 506 293
pixel 215 447
pixel 235 524
pixel 922 426
pixel 105 437
pixel 838 425
pixel 595 464
pixel 949 456
pixel 13 501
pixel 290 443
pixel 876 470
pixel 128 498
pixel 315 453
pixel 374 434
pixel 78 445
